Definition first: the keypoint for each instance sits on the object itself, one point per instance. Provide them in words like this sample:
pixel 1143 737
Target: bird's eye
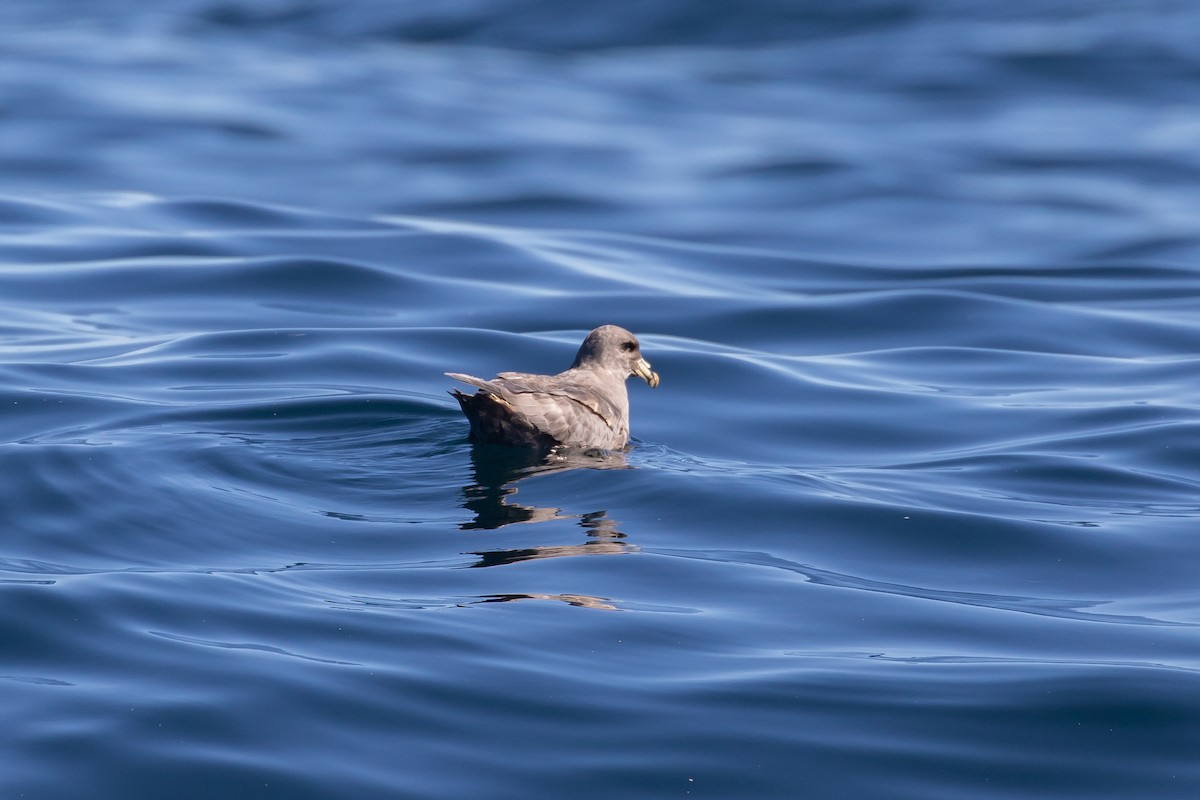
pixel 629 347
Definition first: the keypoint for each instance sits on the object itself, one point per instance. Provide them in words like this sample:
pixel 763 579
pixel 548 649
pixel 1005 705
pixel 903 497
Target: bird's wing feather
pixel 522 389
pixel 468 379
pixel 568 411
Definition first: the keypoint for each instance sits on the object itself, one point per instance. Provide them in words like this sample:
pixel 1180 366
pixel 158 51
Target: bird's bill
pixel 643 371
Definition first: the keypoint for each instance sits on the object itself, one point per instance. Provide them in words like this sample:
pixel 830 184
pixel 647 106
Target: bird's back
pixel 572 408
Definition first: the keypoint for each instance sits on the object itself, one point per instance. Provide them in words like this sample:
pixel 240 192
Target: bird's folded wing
pixel 566 410
pixel 539 391
pixel 468 379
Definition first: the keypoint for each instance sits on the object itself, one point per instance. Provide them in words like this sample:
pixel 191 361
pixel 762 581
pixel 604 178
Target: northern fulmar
pixel 585 406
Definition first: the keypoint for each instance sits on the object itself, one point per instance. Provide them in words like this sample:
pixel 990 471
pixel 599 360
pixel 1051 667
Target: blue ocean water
pixel 914 513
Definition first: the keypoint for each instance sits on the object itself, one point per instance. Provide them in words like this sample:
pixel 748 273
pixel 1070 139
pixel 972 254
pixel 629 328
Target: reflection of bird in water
pixel 498 470
pixel 586 406
pixel 603 539
pixel 577 600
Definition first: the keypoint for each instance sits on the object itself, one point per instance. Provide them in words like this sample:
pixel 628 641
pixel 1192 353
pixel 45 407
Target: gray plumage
pixel 585 406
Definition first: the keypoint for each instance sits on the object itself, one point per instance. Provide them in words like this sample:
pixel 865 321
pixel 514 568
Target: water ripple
pixel 1059 608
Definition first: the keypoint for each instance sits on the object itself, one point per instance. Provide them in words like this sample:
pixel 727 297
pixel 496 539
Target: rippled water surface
pixel 914 513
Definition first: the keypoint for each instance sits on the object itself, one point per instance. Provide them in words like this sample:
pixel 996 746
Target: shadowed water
pixel 913 513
